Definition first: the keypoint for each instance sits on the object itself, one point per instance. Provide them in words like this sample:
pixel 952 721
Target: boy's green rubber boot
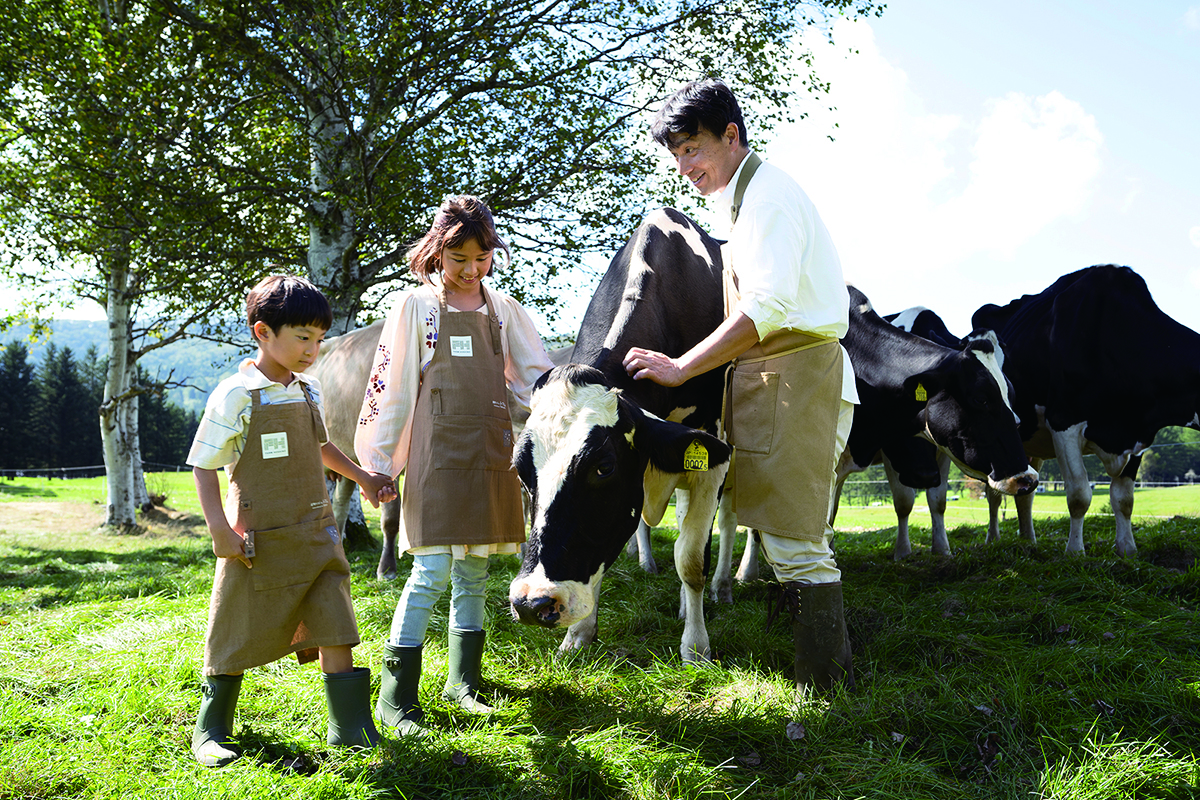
pixel 465 665
pixel 398 706
pixel 212 739
pixel 349 697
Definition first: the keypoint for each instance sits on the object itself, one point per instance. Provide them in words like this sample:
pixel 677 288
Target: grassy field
pixel 1003 671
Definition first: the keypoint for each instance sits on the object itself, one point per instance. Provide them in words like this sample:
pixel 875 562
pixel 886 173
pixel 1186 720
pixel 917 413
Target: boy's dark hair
pixel 280 300
pixel 707 104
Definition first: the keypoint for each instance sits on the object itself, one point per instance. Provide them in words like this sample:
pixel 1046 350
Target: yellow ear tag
pixel 922 395
pixel 695 458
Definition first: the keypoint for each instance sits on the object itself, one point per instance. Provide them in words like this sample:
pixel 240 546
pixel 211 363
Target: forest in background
pixel 195 366
pixel 50 397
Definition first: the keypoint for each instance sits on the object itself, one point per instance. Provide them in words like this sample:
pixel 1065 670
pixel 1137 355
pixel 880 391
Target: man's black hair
pixel 707 104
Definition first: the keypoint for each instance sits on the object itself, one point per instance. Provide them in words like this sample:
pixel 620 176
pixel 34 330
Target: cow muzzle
pixel 544 611
pixel 1017 485
pixel 537 600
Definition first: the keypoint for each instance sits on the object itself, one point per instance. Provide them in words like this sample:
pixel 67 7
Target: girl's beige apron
pixel 781 413
pixel 296 597
pixel 459 484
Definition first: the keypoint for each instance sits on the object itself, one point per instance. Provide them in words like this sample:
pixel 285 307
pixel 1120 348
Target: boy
pixel 282 581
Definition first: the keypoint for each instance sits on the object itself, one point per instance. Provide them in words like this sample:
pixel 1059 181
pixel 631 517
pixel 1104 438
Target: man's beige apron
pixel 459 484
pixel 781 414
pixel 296 597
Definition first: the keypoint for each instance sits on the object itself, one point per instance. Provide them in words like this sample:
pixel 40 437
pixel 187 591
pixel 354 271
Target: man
pixel 791 392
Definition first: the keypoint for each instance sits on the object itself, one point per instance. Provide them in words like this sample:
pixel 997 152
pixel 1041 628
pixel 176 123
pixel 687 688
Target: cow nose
pixel 1017 485
pixel 537 611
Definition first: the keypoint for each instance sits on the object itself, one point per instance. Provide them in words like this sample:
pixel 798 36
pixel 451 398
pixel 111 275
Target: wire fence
pixel 67 473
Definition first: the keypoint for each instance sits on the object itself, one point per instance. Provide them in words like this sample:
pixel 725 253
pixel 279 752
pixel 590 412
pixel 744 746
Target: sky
pixel 979 151
pixel 982 150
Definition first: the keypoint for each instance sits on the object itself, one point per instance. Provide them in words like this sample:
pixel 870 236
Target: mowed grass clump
pixel 1003 671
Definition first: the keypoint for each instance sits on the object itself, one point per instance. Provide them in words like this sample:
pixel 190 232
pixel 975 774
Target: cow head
pixel 968 411
pixel 583 458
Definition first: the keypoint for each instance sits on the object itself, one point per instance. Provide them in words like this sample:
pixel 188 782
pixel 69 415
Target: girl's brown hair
pixel 457 220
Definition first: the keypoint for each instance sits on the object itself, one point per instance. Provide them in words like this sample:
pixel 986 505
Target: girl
pixel 437 408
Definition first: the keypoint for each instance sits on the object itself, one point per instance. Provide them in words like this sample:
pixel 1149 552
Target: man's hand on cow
pixel 377 488
pixel 650 364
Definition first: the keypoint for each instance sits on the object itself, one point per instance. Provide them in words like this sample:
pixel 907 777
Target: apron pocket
pixel 470 442
pixel 753 419
pixel 293 555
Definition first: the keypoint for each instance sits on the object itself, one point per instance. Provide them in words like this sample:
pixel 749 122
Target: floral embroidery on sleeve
pixel 376 386
pixel 431 326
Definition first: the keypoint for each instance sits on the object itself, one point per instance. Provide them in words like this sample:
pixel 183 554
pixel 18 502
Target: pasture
pixel 1002 672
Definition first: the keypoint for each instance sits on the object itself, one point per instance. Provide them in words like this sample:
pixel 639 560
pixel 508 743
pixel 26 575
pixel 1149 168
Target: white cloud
pixel 907 191
pixel 1194 235
pixel 1191 18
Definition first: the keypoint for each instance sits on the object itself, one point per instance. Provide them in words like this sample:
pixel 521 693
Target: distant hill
pixel 199 363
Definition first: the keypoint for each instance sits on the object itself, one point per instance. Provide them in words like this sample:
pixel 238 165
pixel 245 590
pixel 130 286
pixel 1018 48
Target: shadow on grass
pixel 33 577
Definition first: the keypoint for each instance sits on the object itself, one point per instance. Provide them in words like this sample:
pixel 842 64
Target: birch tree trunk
pixel 332 251
pixel 132 406
pixel 120 443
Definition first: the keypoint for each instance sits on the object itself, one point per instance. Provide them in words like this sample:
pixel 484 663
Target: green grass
pixel 1005 671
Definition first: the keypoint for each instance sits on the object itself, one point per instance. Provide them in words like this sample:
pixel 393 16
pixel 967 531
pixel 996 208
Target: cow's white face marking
pixel 575 600
pixel 561 416
pixel 992 364
pixel 906 318
pixel 680 414
pixel 638 266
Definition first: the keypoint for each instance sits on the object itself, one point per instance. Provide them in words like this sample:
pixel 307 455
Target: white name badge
pixel 460 346
pixel 274 445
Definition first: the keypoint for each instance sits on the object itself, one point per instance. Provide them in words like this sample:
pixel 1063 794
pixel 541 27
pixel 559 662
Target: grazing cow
pixel 1097 367
pixel 956 399
pixel 343 367
pixel 919 465
pixel 600 448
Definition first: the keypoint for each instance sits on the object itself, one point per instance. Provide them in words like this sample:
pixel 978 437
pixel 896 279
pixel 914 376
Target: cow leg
pixel 389 521
pixel 694 531
pixel 1068 449
pixel 639 546
pixel 845 467
pixel 1122 469
pixel 903 498
pixel 341 491
pixel 936 497
pixel 584 632
pixel 1024 504
pixel 1120 493
pixel 993 499
pixel 748 570
pixel 722 581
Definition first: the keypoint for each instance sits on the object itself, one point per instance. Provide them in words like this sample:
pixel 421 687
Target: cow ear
pixel 922 386
pixel 673 447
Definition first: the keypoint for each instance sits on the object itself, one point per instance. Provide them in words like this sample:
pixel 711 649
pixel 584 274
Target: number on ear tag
pixel 695 458
pixel 922 395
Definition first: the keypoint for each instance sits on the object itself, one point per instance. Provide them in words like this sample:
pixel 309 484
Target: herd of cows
pixel 1089 365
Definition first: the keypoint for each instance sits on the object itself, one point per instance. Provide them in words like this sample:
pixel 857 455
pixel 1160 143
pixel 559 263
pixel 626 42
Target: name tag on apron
pixel 460 346
pixel 275 445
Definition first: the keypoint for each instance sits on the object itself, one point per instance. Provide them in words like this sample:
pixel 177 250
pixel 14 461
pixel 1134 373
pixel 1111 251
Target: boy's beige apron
pixel 781 413
pixel 296 597
pixel 459 484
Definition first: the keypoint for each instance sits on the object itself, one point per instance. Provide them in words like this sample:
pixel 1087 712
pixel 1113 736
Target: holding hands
pixel 377 488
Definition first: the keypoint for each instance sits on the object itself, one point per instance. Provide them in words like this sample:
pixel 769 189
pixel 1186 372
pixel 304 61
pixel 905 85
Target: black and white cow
pixel 920 399
pixel 599 449
pixel 343 366
pixel 918 464
pixel 1098 368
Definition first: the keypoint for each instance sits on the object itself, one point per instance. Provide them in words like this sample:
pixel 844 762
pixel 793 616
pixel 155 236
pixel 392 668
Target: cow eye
pixel 605 469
